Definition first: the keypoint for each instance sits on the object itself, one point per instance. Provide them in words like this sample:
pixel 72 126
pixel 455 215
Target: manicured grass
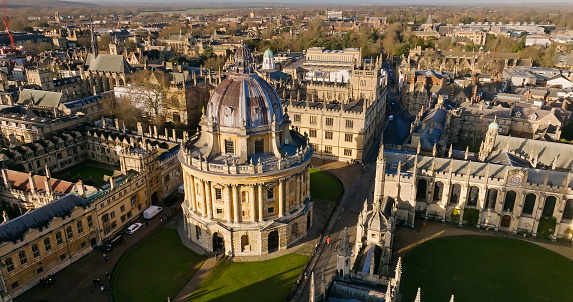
pixel 475 268
pixel 85 171
pixel 156 269
pixel 323 186
pixel 264 281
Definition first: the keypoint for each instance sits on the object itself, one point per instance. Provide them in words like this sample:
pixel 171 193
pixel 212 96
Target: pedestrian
pixel 161 219
pixel 98 282
pixel 328 240
pixel 102 288
pixel 107 275
pixel 104 256
pixel 146 223
pixel 216 254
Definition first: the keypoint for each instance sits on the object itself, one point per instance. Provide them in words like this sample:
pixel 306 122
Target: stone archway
pixel 505 221
pixel 245 247
pixel 421 190
pixel 218 242
pixel 273 243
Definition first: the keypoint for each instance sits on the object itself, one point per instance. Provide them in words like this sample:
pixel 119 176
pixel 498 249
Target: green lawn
pixel 85 171
pixel 156 269
pixel 484 268
pixel 323 186
pixel 263 281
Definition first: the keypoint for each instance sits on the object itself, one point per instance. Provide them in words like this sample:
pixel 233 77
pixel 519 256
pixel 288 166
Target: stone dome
pixel 244 100
pixel 268 53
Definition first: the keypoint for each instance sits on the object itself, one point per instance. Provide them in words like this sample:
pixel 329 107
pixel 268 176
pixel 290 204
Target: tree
pixel 150 91
pixel 197 99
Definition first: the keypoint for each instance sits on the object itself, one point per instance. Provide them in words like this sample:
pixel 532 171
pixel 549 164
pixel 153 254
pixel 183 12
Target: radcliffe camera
pixel 286 151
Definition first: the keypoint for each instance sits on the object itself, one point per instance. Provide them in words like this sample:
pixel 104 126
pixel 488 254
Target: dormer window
pixel 228 111
pixel 518 114
pixel 533 116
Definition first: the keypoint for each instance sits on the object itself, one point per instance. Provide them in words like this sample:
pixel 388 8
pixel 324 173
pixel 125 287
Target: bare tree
pixel 150 91
pixel 197 99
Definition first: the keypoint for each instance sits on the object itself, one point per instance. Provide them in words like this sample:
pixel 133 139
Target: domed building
pixel 246 174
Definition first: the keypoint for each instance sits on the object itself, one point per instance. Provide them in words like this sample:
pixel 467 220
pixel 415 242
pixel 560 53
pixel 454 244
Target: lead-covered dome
pixel 244 99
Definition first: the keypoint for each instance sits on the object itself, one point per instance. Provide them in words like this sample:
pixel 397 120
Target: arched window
pixel 491 198
pixel 568 211
pixel 550 202
pixel 23 258
pixel 421 189
pixel 529 204
pixel 509 201
pixel 47 244
pixel 455 194
pixel 473 196
pixel 69 233
pixel 438 191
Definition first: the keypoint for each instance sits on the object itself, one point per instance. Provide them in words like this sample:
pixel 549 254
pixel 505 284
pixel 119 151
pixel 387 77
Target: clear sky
pixel 338 2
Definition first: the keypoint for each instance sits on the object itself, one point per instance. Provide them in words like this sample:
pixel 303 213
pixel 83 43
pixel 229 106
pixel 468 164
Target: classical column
pixel 253 202
pixel 208 198
pixel 260 200
pixel 191 188
pixel 203 199
pixel 287 199
pixel 228 200
pixel 236 203
pixel 298 197
pixel 281 196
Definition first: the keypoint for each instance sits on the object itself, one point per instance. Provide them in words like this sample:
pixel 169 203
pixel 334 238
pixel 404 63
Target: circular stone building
pixel 246 174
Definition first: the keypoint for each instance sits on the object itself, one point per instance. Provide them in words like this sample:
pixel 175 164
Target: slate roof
pixel 39 218
pixel 108 63
pixel 39 98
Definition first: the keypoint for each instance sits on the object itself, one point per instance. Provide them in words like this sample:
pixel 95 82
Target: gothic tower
pixel 489 141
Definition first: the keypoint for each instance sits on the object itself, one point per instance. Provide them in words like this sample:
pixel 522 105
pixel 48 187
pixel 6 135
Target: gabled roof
pixel 39 218
pixel 39 98
pixel 108 63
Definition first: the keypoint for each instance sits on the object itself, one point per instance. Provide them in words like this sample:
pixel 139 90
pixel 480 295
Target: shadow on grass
pixel 230 281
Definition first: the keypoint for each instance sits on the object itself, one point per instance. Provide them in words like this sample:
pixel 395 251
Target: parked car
pixel 114 241
pixel 134 227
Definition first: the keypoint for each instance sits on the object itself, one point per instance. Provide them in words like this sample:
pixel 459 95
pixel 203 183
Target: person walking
pixel 328 240
pixel 107 275
pixel 102 287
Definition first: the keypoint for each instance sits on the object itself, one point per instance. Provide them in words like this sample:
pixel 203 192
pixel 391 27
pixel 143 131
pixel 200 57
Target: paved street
pixel 75 282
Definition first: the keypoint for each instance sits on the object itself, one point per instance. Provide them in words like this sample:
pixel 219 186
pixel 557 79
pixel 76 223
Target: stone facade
pixel 246 175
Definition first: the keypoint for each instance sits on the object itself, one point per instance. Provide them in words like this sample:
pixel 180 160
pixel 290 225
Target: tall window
pixel 244 196
pixel 270 193
pixel 59 238
pixel 349 123
pixel 35 251
pixel 80 226
pixel 328 134
pixel 218 193
pixel 328 149
pixel 9 265
pixel 312 133
pixel 47 244
pixel 90 222
pixel 329 121
pixel 348 137
pixel 313 119
pixel 297 117
pixel 347 152
pixel 69 233
pixel 229 146
pixel 260 146
pixel 23 258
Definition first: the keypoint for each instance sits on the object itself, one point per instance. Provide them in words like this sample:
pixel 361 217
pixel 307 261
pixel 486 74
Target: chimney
pixel 112 183
pixel 81 188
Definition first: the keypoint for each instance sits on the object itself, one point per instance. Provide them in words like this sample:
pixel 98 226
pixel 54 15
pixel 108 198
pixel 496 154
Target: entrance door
pixel 506 221
pixel 273 241
pixel 218 243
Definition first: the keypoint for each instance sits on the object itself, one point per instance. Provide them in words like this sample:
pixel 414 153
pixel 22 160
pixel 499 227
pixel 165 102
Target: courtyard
pixel 324 186
pixel 85 172
pixel 485 268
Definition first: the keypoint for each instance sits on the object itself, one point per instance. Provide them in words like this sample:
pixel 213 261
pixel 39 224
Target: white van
pixel 151 212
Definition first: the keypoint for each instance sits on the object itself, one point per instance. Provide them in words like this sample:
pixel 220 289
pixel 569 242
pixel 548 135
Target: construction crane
pixel 6 21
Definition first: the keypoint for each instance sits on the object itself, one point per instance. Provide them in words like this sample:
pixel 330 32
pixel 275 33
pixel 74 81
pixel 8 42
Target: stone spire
pixel 452 298
pixel 418 296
